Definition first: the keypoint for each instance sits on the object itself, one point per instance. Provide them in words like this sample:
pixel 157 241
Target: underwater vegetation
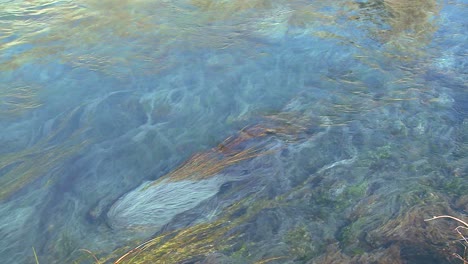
pixel 20 168
pixel 193 242
pixel 283 223
pixel 231 150
pixel 201 176
pixel 461 231
pixel 215 131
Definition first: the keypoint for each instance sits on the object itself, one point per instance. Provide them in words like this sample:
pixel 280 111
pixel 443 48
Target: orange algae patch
pixel 232 151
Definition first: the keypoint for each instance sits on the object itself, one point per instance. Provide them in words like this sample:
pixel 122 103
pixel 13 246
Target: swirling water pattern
pixel 262 131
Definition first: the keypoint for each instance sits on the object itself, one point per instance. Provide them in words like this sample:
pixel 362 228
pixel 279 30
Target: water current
pixel 233 131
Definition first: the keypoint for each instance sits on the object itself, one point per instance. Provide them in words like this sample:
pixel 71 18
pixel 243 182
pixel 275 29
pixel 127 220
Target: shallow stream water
pixel 215 131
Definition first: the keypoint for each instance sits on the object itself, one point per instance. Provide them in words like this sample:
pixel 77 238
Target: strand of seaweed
pixel 232 150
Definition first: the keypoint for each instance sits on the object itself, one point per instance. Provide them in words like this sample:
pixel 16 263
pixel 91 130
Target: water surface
pixel 262 131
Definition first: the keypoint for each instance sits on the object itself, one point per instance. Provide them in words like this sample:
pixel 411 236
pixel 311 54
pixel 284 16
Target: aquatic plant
pixel 35 256
pixel 24 166
pixel 199 177
pixel 301 244
pixel 459 230
pixel 364 109
pixel 194 241
pixel 243 146
pixel 194 181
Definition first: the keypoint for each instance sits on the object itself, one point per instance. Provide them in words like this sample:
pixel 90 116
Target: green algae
pixel 219 235
pixel 350 235
pixel 302 245
pixel 198 240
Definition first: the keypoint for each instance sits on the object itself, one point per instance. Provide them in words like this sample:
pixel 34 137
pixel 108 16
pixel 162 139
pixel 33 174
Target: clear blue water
pixel 355 113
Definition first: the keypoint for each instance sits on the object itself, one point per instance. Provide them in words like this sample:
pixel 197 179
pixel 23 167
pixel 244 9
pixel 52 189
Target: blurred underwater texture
pixel 216 131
